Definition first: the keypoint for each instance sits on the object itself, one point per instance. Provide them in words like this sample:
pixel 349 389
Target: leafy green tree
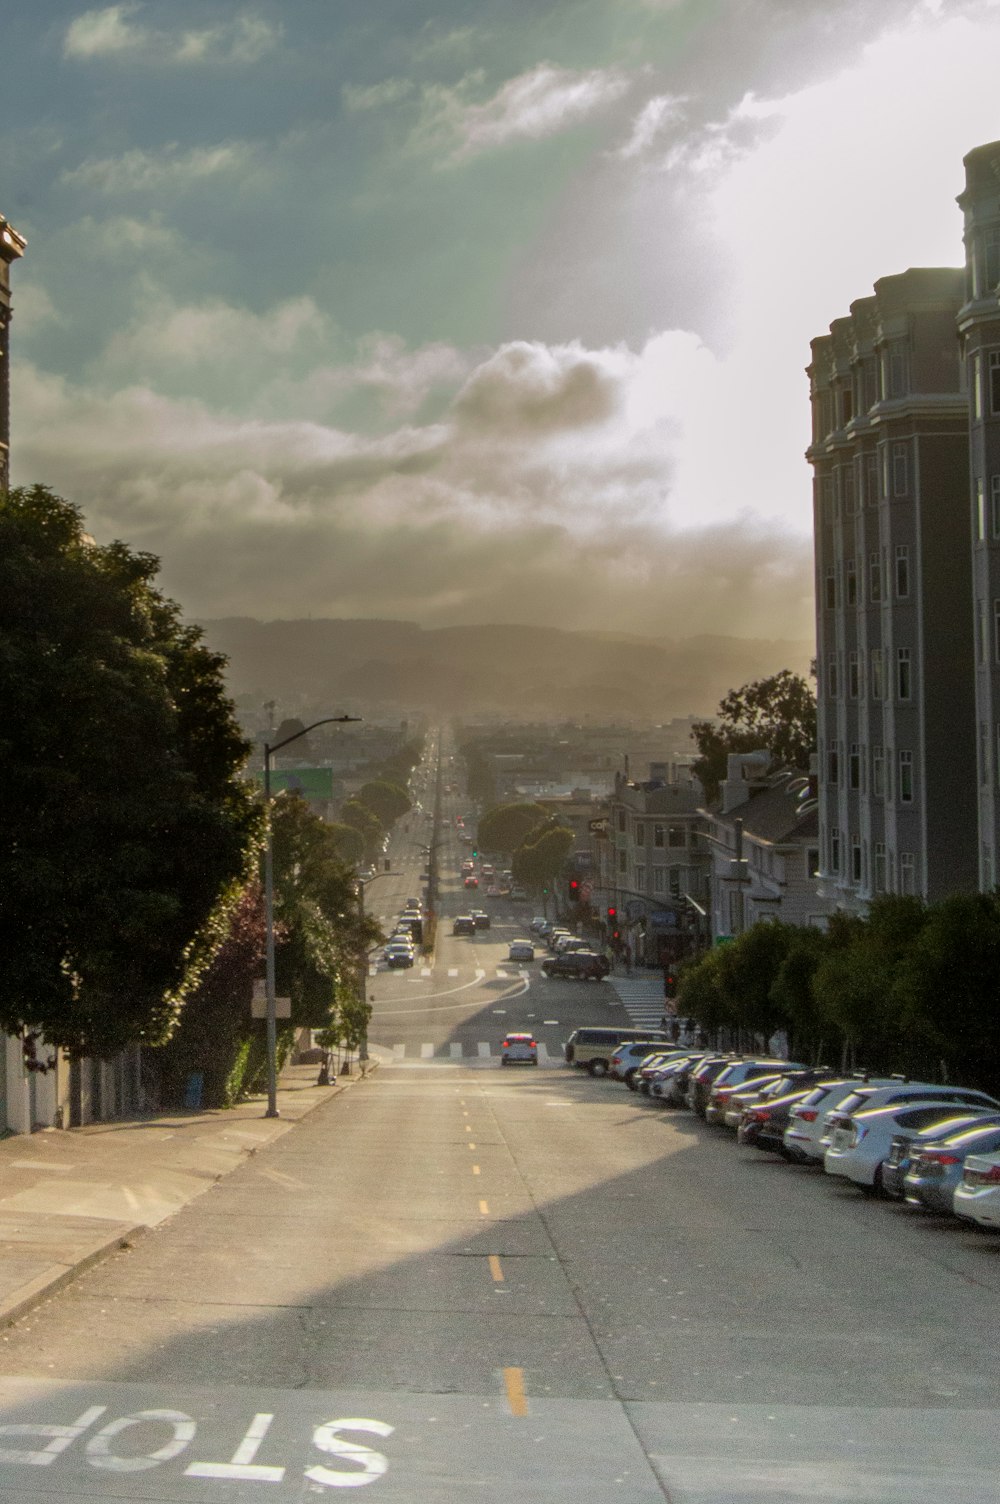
pixel 348 842
pixel 854 983
pixel 538 862
pixel 793 994
pixel 777 714
pixel 748 968
pixel 127 831
pixel 366 822
pixel 700 993
pixel 387 801
pixel 505 827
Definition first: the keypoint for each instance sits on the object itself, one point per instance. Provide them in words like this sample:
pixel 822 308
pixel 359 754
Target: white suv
pixel 870 1095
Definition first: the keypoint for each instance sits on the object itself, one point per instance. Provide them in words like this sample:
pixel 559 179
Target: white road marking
pixel 398 1051
pixel 550 1020
pixel 425 971
pixel 483 1049
pixel 502 975
pixel 543 1053
pixel 426 1052
pixel 456 1051
pixel 453 971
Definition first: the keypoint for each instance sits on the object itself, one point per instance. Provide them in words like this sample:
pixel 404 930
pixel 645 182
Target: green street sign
pixel 311 783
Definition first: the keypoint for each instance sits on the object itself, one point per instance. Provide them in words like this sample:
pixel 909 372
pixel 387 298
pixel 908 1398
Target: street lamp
pixel 272 1006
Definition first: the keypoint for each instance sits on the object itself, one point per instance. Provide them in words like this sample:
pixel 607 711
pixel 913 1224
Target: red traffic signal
pixel 574 889
pixel 612 913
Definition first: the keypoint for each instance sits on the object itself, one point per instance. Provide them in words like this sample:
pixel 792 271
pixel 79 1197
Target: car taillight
pixel 720 1098
pixel 759 1114
pixel 807 1114
pixel 532 1045
pixel 505 1044
pixel 983 1177
pixel 938 1157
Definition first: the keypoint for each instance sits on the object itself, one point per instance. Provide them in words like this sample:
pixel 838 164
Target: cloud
pixel 139 171
pixel 357 97
pixel 111 33
pixel 656 115
pixel 539 103
pixel 529 388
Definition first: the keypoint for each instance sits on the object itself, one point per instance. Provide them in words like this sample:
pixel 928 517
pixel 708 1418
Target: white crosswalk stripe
pixel 427 1052
pixel 483 1048
pixel 455 1052
pixel 642 998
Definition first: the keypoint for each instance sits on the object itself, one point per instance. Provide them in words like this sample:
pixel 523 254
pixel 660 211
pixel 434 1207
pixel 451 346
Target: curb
pixel 44 1285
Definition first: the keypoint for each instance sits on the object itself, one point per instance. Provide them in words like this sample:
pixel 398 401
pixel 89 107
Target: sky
pixel 466 311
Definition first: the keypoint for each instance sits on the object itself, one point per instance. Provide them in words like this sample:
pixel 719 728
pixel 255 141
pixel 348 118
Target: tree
pixel 776 714
pixel 793 993
pixel 366 822
pixel 127 830
pixel 348 842
pixel 387 801
pixel 537 863
pixel 748 968
pixel 505 827
pixel 854 984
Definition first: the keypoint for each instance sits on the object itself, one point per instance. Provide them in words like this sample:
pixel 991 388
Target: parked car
pixel 671 1087
pixel 798 1079
pixel 537 924
pixel 582 965
pixel 590 1049
pixel 655 1072
pixel 736 1075
pixel 936 1166
pixel 903 1145
pixel 519 1047
pixel 977 1197
pixel 563 941
pixel 859 1141
pixel 554 936
pixel 701 1080
pixel 764 1122
pixel 871 1095
pixel 464 925
pixel 520 950
pixel 629 1056
pixel 806 1122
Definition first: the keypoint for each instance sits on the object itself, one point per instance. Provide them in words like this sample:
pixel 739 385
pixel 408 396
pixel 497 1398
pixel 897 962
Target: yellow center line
pixel 472 1146
pixel 475 1170
pixel 513 1379
pixel 484 1208
pixel 468 1128
pixel 495 1269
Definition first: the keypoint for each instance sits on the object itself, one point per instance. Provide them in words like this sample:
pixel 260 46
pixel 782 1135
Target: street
pixel 455 1281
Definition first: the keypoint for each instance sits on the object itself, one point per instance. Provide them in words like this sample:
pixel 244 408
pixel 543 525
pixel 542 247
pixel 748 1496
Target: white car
pixel 536 924
pixel 807 1120
pixel 860 1142
pixel 871 1094
pixel 520 950
pixel 977 1196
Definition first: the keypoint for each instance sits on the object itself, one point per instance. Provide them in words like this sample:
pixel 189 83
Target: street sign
pixel 311 783
pixel 258 1003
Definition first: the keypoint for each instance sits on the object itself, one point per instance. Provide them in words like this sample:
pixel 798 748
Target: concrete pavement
pixel 70 1197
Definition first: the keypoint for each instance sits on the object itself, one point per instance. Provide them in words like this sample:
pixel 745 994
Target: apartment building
pixel 11 247
pixel 979 331
pixel 895 652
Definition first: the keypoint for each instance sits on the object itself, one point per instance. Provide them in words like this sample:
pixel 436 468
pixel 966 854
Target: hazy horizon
pixel 467 315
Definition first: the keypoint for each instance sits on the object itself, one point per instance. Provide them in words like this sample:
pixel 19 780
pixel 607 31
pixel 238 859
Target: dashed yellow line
pixel 472 1146
pixel 475 1170
pixel 484 1208
pixel 495 1269
pixel 513 1379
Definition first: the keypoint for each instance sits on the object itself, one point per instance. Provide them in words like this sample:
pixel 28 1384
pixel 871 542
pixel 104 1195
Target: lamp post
pixel 272 1007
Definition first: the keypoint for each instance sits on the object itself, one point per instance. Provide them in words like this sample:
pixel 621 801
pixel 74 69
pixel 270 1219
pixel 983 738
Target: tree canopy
pixel 127 832
pixel 386 800
pixel 539 861
pixel 777 714
pixel 506 826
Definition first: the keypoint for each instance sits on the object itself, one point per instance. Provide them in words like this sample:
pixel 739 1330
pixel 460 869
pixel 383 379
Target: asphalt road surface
pixel 457 1282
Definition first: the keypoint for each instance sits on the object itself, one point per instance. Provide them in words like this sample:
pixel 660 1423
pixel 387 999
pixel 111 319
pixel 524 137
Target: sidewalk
pixel 70 1197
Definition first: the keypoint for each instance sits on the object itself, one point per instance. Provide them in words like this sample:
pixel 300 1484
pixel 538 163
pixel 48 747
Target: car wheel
pixel 598 1067
pixel 630 1081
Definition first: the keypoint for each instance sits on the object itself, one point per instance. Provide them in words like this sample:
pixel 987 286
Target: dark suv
pixel 582 964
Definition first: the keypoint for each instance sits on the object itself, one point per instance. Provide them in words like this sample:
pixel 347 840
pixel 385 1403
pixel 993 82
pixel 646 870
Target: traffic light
pixel 475 853
pixel 574 890
pixel 612 914
pixel 669 983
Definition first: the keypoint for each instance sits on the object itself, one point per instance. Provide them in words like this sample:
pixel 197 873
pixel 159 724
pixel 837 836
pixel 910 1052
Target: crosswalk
pixel 484 1051
pixel 509 973
pixel 641 997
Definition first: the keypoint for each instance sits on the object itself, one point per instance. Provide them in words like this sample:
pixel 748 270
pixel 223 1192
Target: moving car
pixel 481 918
pixel 464 925
pixel 398 954
pixel 582 965
pixel 519 1047
pixel 591 1049
pixel 517 891
pixel 520 950
pixel 472 881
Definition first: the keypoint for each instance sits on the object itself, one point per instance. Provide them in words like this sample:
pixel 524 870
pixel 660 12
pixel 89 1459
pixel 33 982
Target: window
pixel 897 369
pixel 984 753
pixel 850 494
pixel 834 850
pixel 812 861
pixel 982 647
pixel 906 777
pixel 902 571
pixel 852 582
pixel 884 477
pixel 879 867
pixel 675 882
pixel 907 872
pixel 675 835
pixel 871 479
pixel 979 518
pixel 829 499
pixel 854 766
pixel 991 257
pixel 878 685
pixel 995 506
pixel 854 676
pixel 640 834
pixel 977 385
pixel 830 589
pixel 640 879
pixel 621 819
pixel 659 879
pixel 903 680
pixel 856 868
pixel 875 577
pixel 621 861
pixel 900 469
pixel 658 834
pixel 995 382
pixel 832 677
pixel 878 772
pixel 846 405
pixel 833 764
